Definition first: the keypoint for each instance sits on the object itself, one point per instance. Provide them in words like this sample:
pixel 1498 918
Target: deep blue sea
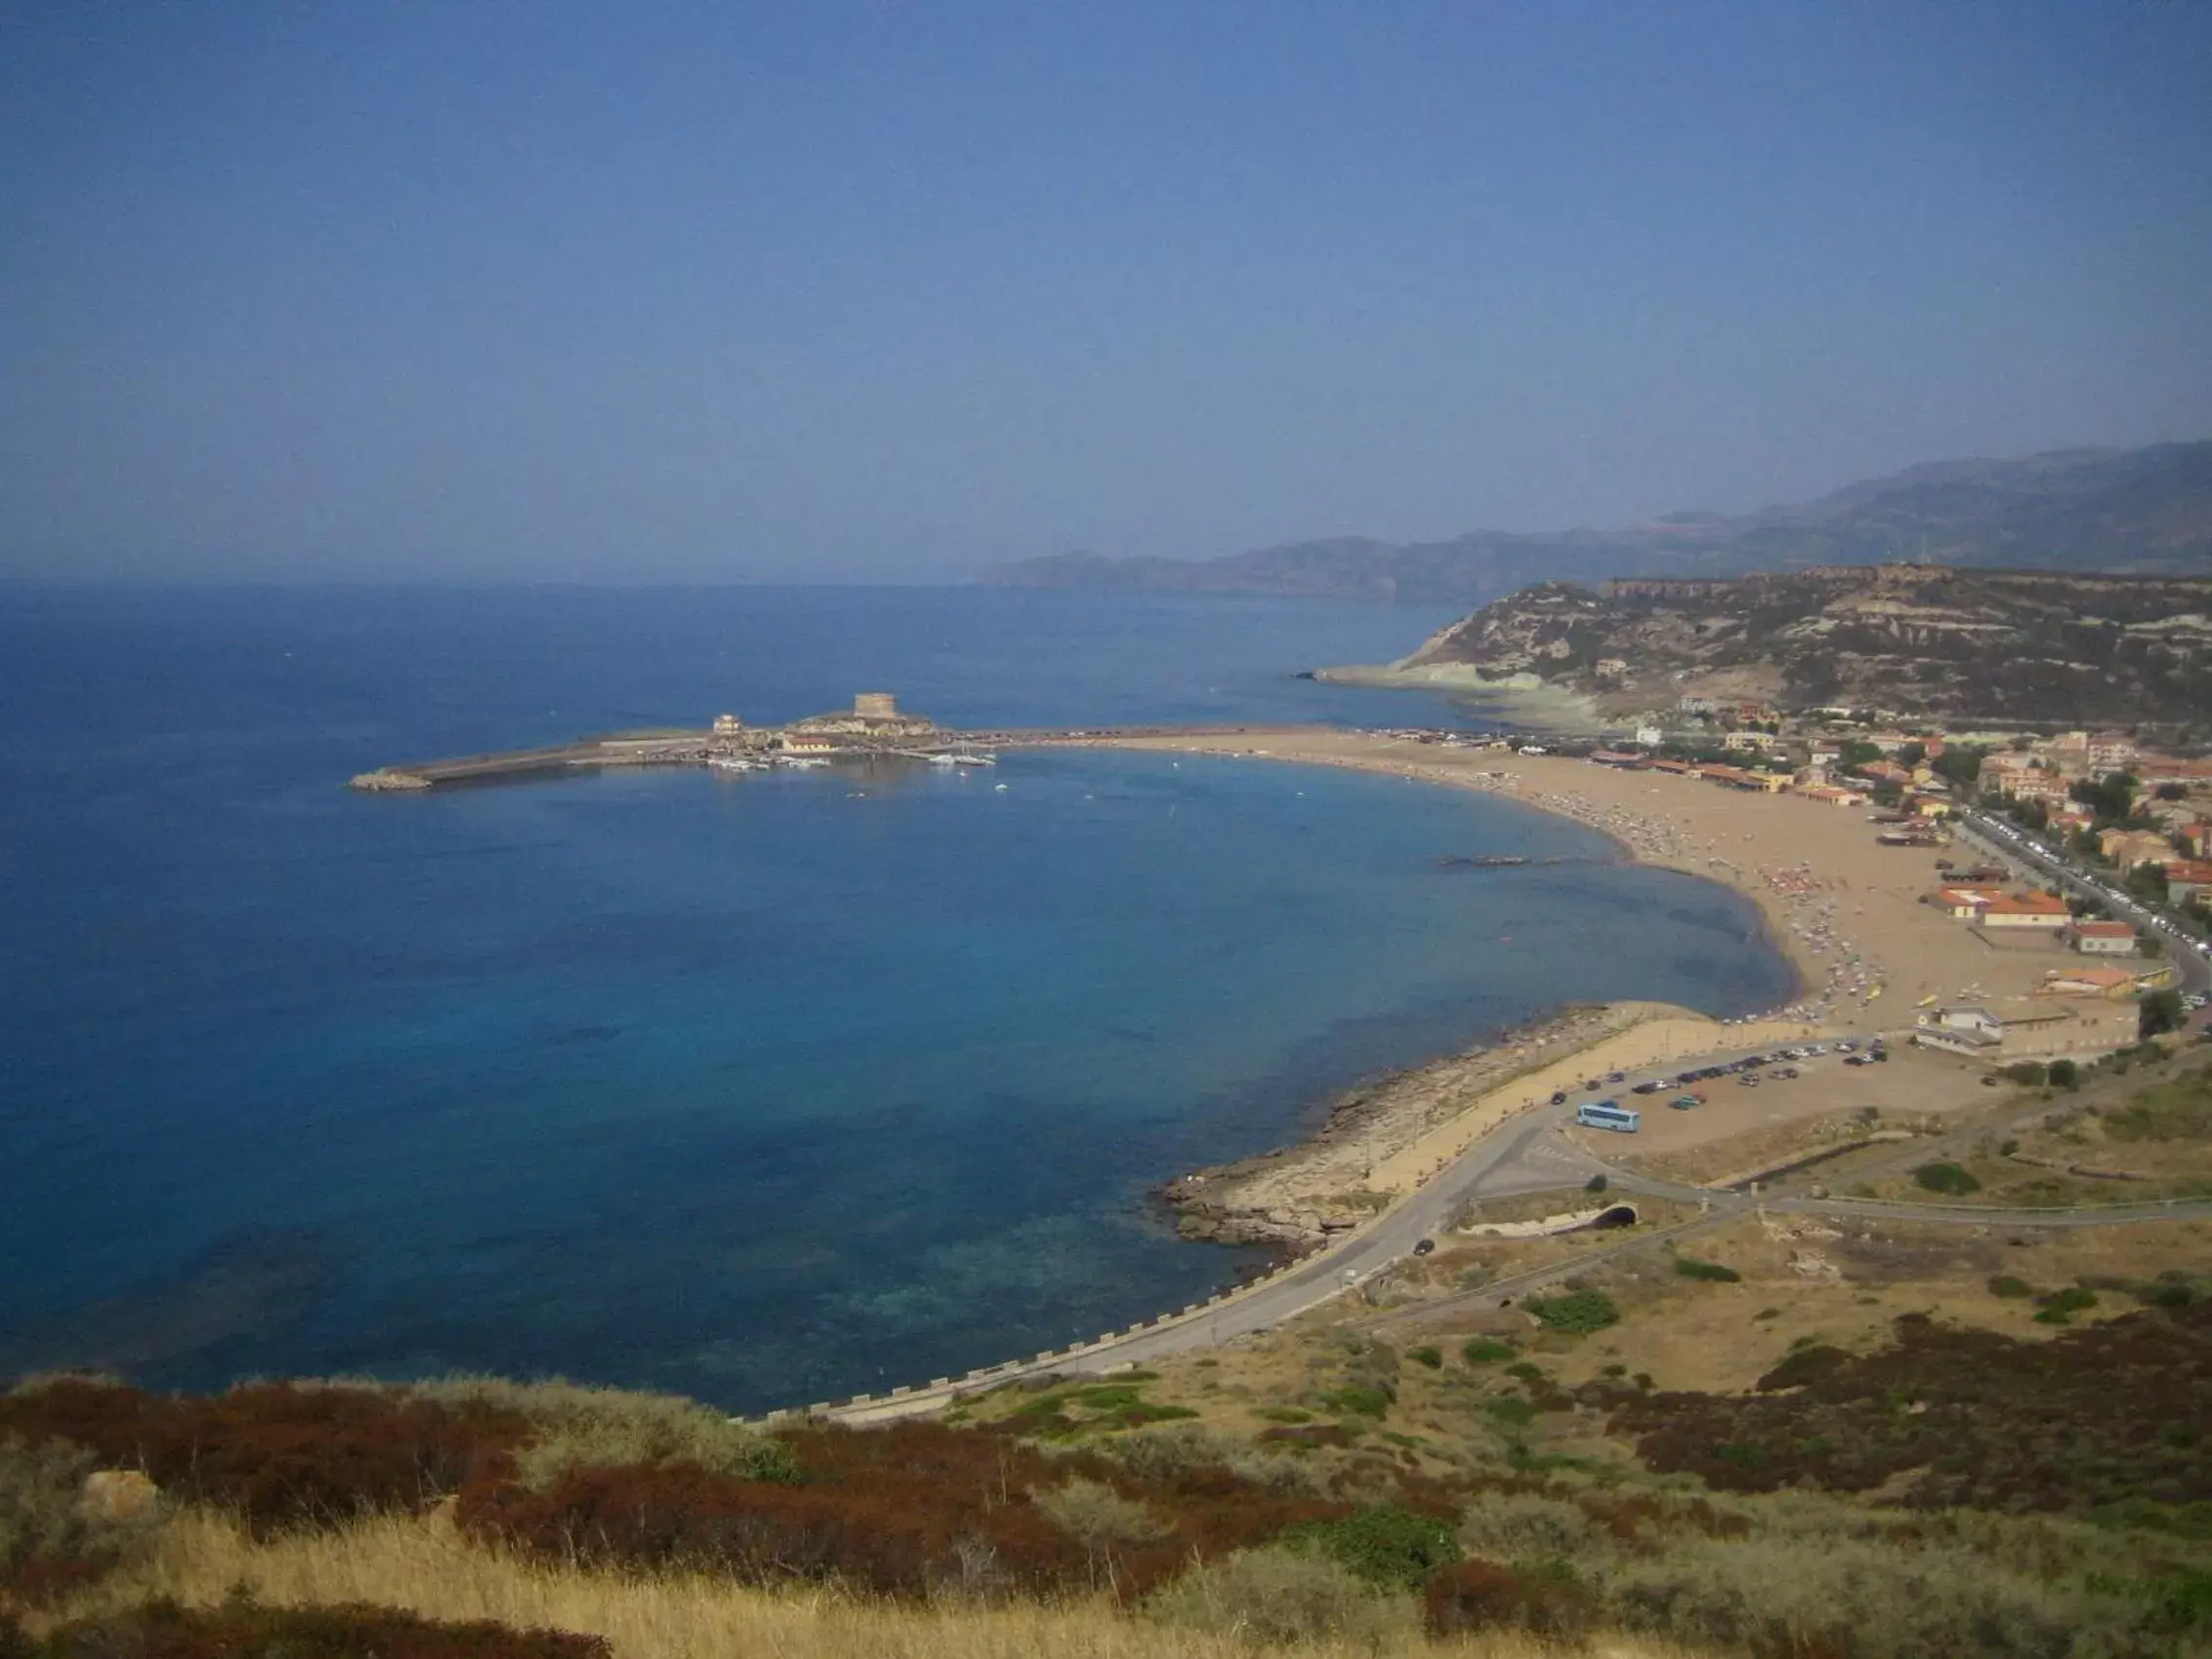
pixel 762 1088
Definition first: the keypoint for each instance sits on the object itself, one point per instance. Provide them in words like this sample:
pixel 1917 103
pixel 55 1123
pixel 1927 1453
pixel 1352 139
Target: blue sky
pixel 839 291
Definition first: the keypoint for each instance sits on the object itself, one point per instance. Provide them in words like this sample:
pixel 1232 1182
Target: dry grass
pixel 423 1567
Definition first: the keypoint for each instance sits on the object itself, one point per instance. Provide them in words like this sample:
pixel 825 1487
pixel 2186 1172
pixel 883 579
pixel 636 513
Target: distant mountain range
pixel 2139 510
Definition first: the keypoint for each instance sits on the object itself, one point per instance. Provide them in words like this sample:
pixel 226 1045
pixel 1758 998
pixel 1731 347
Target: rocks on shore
pixel 1297 1198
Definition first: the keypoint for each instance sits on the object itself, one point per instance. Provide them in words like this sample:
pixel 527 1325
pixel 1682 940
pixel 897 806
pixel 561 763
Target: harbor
pixel 874 729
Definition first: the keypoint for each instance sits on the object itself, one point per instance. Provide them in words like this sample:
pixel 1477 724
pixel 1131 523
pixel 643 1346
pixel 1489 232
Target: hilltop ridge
pixel 2144 510
pixel 1998 645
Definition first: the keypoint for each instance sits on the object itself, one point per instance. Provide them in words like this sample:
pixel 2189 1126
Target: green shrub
pixel 1386 1545
pixel 2005 1284
pixel 50 1542
pixel 1287 1414
pixel 1106 1396
pixel 1510 1411
pixel 1431 1357
pixel 2065 1074
pixel 1802 1365
pixel 1691 1268
pixel 1356 1401
pixel 1950 1179
pixel 1283 1596
pixel 1143 1414
pixel 1098 1515
pixel 1576 1314
pixel 605 1428
pixel 2028 1072
pixel 2059 1306
pixel 1486 1351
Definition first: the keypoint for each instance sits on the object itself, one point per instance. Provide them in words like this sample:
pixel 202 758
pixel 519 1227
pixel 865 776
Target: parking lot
pixel 1910 1085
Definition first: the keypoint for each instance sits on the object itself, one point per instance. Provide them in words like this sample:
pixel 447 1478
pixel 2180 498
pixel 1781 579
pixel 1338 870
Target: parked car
pixel 1424 1246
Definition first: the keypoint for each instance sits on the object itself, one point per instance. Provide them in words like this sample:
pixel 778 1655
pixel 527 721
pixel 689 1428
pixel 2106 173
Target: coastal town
pixel 2080 852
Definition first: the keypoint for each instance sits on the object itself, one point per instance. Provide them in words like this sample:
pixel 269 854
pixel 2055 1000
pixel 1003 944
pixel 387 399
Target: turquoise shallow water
pixel 760 1087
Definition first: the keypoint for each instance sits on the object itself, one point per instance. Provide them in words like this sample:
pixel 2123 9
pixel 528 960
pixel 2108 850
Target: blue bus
pixel 1608 1115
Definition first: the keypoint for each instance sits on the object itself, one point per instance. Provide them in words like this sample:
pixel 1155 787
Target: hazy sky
pixel 671 291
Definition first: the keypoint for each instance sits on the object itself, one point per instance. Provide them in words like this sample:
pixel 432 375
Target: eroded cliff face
pixel 2028 646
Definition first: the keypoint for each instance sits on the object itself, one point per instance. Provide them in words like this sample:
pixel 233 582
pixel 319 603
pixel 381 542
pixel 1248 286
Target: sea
pixel 760 1087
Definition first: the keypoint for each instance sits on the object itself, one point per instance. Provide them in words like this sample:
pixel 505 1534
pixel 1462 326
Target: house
pixel 1965 904
pixel 2047 787
pixel 2186 878
pixel 1746 740
pixel 1974 1032
pixel 810 743
pixel 2068 755
pixel 2127 848
pixel 1650 736
pixel 1829 794
pixel 1612 668
pixel 729 726
pixel 2033 911
pixel 1736 777
pixel 2102 938
pixel 2067 823
pixel 2111 984
pixel 2110 752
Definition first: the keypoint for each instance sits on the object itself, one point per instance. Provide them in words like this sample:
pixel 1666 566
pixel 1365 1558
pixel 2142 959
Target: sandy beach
pixel 1846 910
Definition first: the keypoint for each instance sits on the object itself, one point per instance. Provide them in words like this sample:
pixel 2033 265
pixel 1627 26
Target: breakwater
pixel 760 746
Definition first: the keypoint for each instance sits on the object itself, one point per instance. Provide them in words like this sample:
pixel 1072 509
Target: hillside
pixel 2147 510
pixel 2001 645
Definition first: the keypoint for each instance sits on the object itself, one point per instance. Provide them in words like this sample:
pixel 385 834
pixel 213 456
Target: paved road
pixel 2040 865
pixel 1526 1154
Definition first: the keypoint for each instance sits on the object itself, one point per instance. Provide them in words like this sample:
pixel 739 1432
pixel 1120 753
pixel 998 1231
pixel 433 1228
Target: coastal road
pixel 1521 1155
pixel 2031 858
pixel 1526 1154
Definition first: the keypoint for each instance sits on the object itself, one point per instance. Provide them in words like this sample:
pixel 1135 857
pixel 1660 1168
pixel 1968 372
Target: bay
pixel 762 1088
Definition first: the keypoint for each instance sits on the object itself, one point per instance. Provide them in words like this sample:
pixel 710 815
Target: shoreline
pixel 1524 701
pixel 1382 1137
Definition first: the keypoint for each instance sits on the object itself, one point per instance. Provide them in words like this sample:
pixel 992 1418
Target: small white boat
pixel 962 757
pixel 733 763
pixel 803 763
